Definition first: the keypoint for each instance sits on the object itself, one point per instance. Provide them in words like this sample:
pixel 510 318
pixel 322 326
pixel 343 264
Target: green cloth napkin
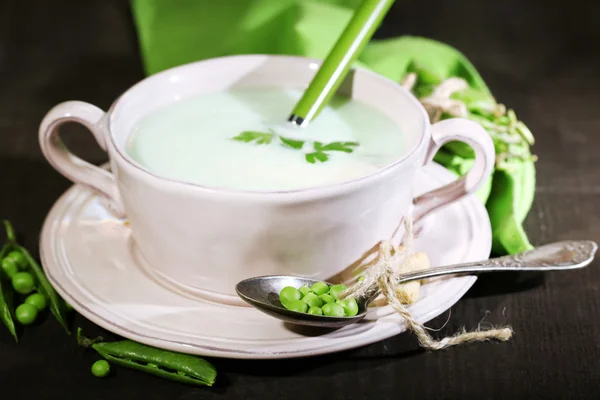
pixel 176 32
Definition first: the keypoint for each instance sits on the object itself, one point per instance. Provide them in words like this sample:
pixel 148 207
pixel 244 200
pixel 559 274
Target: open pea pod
pixel 57 305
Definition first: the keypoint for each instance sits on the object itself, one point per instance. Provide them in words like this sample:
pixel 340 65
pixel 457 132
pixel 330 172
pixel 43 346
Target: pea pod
pixel 165 364
pixel 57 306
pixel 6 297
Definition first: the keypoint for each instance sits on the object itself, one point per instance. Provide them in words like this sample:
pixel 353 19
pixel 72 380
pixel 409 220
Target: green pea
pixel 336 290
pixel 37 300
pixel 289 294
pixel 315 311
pixel 297 305
pixel 101 368
pixel 26 314
pixel 304 290
pixel 23 282
pixel 320 288
pixel 350 306
pixel 333 310
pixel 312 300
pixel 152 365
pixel 9 267
pixel 327 298
pixel 18 258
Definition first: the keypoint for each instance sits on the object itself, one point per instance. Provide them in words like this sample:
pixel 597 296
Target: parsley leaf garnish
pixel 294 144
pixel 254 136
pixel 316 156
pixel 346 147
pixel 320 149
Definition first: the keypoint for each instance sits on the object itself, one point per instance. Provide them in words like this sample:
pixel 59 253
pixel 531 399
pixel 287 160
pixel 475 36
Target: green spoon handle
pixel 328 78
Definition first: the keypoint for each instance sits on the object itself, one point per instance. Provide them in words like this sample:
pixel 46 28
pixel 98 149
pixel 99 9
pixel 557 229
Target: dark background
pixel 540 58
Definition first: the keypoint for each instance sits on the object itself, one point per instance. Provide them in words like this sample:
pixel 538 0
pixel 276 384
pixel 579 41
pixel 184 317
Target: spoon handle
pixel 328 78
pixel 554 256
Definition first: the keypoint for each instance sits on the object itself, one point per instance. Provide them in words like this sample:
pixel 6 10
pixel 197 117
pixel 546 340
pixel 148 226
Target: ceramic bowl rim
pixel 329 189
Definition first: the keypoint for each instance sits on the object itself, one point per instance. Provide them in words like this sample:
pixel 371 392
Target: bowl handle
pixel 71 166
pixel 471 133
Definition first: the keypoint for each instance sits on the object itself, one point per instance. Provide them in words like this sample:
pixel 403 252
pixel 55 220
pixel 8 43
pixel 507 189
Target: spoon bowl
pixel 263 293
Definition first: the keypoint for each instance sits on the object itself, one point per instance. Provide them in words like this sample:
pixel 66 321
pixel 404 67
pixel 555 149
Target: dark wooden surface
pixel 540 58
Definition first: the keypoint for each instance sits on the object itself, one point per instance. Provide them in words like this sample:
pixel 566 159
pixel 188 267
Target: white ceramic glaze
pixel 204 240
pixel 88 256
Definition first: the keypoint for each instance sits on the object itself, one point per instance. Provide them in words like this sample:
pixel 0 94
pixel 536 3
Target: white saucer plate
pixel 89 258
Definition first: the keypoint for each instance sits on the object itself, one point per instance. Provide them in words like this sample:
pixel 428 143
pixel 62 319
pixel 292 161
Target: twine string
pixel 382 273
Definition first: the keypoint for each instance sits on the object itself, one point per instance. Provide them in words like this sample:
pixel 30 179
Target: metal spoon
pixel 263 292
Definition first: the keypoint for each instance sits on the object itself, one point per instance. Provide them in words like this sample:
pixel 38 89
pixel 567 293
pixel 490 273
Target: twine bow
pixel 383 271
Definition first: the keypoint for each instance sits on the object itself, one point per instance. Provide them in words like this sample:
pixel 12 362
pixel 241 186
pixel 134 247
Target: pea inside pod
pixel 17 258
pixel 23 282
pixel 26 314
pixel 37 300
pixel 9 267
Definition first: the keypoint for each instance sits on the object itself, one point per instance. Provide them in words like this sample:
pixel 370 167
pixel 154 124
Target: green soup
pixel 238 139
